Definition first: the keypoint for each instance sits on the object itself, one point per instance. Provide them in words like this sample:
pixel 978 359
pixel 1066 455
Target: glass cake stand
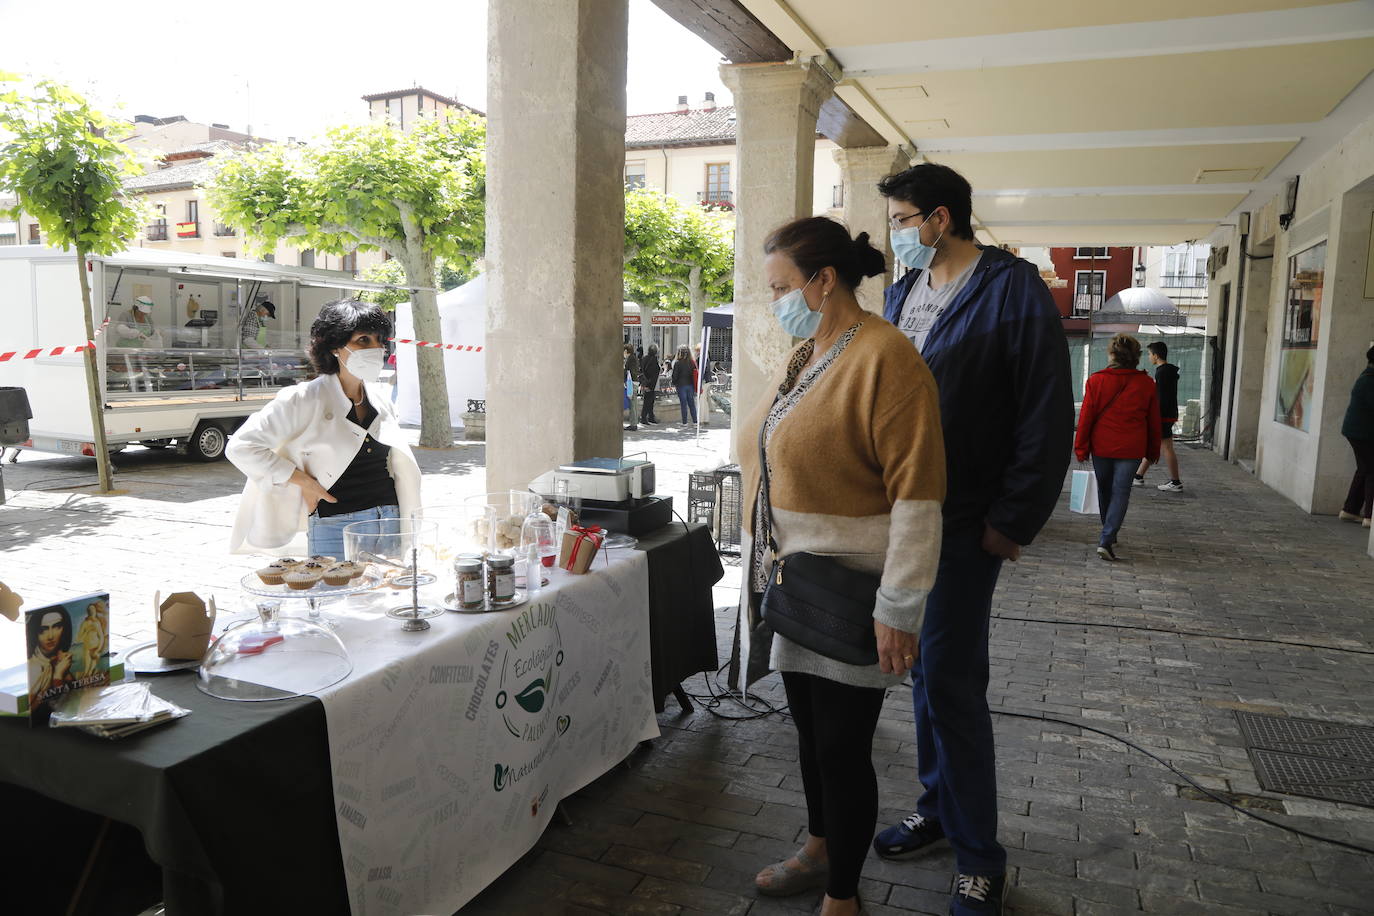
pixel 312 596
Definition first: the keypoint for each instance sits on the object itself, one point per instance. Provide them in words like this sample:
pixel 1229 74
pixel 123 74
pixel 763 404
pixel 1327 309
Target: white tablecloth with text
pixel 450 748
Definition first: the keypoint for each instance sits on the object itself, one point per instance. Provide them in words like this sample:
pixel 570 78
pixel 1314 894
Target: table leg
pixel 682 699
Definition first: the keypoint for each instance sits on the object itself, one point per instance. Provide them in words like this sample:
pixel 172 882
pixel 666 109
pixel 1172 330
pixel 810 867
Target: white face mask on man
pixel 366 365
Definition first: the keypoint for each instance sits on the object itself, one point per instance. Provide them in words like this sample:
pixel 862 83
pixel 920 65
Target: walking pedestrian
pixel 684 380
pixel 630 378
pixel 1358 429
pixel 988 329
pixel 649 370
pixel 1118 425
pixel 1166 383
pixel 703 385
pixel 871 498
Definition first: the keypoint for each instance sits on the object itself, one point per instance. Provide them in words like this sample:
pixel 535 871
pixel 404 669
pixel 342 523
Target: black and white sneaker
pixel 978 895
pixel 1171 486
pixel 912 837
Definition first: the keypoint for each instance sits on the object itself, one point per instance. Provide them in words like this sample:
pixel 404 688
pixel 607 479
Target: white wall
pixel 1335 203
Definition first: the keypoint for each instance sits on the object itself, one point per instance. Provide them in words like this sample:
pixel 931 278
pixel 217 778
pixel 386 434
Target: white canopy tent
pixel 463 318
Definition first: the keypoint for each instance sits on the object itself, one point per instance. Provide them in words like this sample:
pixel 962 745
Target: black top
pixel 632 367
pixel 367 481
pixel 648 371
pixel 682 373
pixel 1166 380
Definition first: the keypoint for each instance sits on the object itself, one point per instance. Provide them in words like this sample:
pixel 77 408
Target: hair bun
pixel 870 260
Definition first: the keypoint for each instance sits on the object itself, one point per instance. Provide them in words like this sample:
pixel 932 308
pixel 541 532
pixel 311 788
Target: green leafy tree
pixel 447 276
pixel 419 196
pixel 676 256
pixel 58 160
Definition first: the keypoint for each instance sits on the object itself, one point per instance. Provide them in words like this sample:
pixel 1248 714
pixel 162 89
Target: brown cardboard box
pixel 579 549
pixel 184 625
pixel 9 602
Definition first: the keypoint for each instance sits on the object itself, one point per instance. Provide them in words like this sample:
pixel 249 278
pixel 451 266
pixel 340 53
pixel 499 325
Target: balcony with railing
pixel 1182 281
pixel 722 199
pixel 157 232
pixel 223 231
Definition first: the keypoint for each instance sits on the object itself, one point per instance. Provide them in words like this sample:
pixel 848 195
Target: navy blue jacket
pixel 999 355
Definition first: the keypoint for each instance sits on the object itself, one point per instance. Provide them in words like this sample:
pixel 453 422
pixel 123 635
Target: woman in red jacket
pixel 1118 426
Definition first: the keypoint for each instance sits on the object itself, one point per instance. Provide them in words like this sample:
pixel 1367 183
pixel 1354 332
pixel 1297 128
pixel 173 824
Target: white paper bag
pixel 1083 493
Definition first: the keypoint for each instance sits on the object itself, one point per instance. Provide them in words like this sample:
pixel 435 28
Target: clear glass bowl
pixel 496 518
pixel 272 658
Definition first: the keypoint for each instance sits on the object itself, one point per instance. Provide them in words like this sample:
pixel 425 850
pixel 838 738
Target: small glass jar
pixel 500 579
pixel 467 588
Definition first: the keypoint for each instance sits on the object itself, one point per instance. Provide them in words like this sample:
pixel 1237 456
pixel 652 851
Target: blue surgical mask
pixel 907 245
pixel 795 315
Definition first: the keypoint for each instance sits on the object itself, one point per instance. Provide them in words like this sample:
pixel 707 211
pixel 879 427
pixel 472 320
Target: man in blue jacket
pixel 984 321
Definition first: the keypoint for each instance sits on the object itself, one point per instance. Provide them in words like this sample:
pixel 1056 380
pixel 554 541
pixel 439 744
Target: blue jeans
pixel 955 757
pixel 325 535
pixel 687 398
pixel 1114 477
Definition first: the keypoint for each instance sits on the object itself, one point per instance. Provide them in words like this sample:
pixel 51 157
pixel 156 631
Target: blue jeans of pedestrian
pixel 687 400
pixel 1114 476
pixel 949 685
pixel 325 535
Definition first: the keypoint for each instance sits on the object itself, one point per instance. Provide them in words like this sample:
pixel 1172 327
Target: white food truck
pixel 184 358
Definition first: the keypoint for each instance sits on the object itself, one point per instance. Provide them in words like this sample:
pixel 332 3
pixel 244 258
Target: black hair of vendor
pixel 335 326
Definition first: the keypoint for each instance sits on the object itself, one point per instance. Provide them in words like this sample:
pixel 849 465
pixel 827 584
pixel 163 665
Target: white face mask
pixel 366 365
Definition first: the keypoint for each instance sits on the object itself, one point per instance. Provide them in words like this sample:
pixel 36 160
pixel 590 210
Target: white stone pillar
pixel 865 210
pixel 776 106
pixel 555 234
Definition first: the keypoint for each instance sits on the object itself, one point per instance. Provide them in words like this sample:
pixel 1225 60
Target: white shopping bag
pixel 1083 493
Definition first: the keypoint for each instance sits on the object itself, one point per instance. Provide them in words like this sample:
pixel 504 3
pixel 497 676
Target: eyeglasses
pixel 897 222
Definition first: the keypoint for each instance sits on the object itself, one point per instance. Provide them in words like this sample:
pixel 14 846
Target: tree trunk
pixel 696 295
pixel 436 426
pixel 102 452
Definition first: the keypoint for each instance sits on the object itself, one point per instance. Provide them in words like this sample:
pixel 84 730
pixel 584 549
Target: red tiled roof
pixel 696 127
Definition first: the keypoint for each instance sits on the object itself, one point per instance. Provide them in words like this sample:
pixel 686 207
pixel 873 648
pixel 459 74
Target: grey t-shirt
pixel 924 305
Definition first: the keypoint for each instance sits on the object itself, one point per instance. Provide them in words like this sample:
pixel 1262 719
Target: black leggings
pixel 835 724
pixel 1360 500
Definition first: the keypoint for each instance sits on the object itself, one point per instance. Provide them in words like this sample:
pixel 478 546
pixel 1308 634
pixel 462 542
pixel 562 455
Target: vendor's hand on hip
pixel 897 649
pixel 311 490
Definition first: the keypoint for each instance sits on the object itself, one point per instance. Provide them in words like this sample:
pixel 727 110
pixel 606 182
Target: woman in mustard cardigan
pixel 856 469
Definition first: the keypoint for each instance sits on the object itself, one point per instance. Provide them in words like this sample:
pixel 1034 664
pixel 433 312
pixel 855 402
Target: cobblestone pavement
pixel 1218 587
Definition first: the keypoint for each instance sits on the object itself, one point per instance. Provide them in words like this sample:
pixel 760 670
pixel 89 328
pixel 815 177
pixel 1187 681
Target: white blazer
pixel 306 426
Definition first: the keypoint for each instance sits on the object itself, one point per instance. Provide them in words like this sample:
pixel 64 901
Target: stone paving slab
pixel 1228 598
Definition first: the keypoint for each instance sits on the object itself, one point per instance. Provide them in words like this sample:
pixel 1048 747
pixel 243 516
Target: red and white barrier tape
pixel 438 346
pixel 52 351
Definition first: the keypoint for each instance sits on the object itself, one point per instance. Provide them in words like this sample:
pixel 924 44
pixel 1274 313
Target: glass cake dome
pixel 273 658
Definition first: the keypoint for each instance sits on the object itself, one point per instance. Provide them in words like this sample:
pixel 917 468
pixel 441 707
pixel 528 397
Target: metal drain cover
pixel 1326 760
pixel 1315 777
pixel 1311 737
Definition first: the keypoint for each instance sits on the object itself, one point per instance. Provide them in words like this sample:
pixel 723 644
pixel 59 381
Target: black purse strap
pixel 763 469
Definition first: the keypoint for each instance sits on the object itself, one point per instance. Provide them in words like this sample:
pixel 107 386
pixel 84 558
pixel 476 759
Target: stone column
pixel 555 234
pixel 775 109
pixel 865 210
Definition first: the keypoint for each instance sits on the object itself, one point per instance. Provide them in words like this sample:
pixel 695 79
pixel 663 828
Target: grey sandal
pixel 785 880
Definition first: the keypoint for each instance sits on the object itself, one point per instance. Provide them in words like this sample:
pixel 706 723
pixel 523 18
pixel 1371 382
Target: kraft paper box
pixel 184 625
pixel 578 550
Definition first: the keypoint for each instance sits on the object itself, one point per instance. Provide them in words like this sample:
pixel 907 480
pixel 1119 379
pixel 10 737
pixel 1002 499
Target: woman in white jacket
pixel 329 451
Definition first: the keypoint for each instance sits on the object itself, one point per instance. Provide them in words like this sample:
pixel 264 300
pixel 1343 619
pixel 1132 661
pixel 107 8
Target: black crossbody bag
pixel 815 601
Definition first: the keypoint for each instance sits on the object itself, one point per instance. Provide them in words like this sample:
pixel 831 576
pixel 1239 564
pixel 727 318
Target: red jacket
pixel 1120 416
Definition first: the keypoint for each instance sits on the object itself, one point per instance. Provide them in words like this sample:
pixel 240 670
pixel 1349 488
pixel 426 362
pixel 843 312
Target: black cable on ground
pixel 712 700
pixel 1184 776
pixel 1131 626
